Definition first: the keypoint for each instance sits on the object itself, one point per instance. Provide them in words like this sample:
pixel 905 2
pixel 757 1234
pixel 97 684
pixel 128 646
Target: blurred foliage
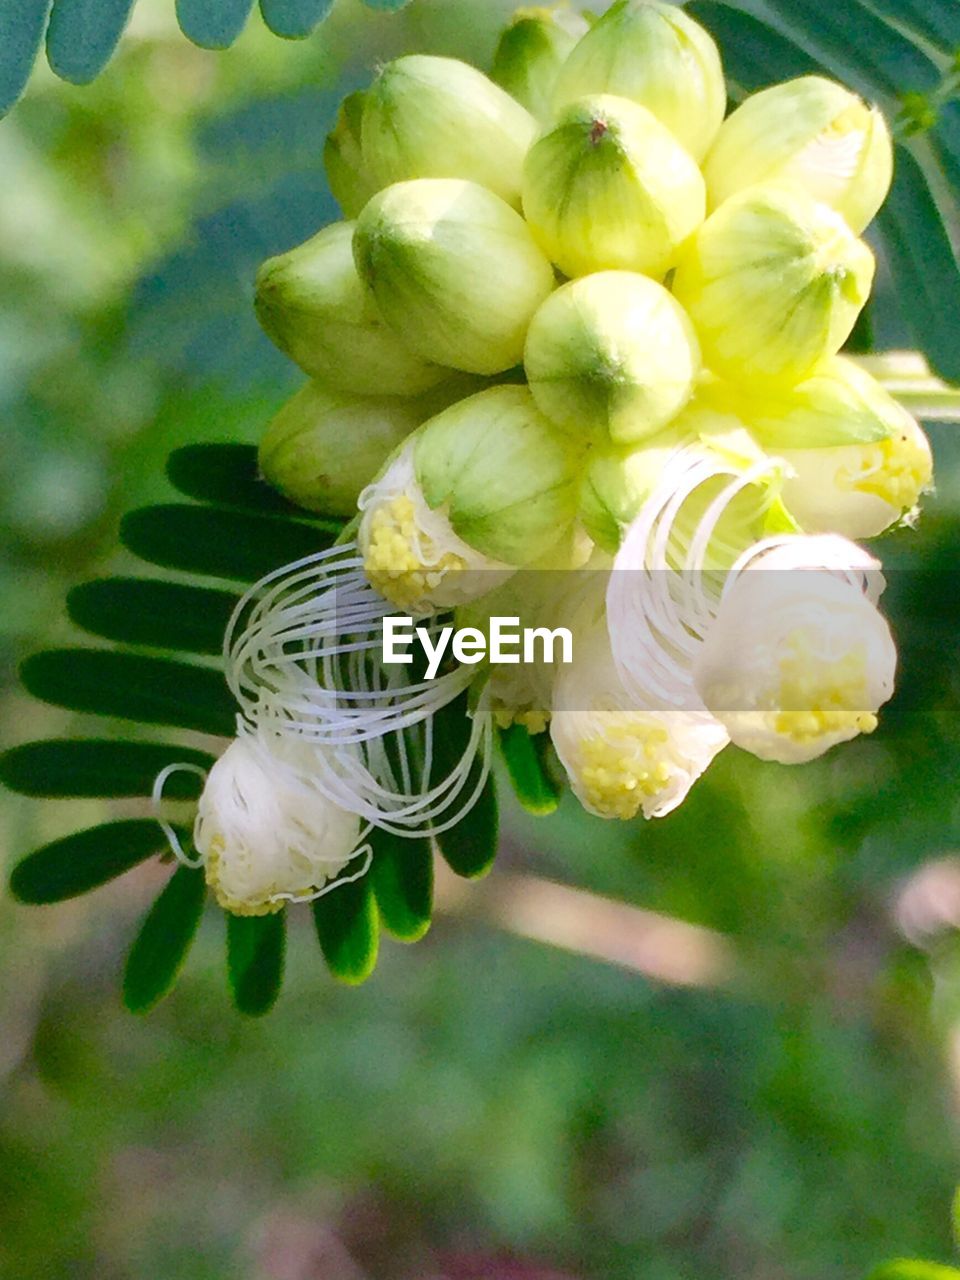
pixel 482 1100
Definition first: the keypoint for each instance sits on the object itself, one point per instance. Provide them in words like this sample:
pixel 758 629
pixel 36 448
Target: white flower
pixel 411 553
pixel 622 758
pixel 267 834
pixel 798 658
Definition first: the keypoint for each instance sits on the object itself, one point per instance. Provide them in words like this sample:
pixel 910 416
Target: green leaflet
pixel 524 756
pixel 348 930
pixel 294 19
pixel 213 25
pixel 99 767
pixel 402 879
pixel 84 861
pixel 221 544
pixel 255 956
pixel 161 615
pixel 161 946
pixel 906 1270
pixel 470 846
pixel 82 36
pixel 126 685
pixel 21 30
pixel 754 54
pixel 227 474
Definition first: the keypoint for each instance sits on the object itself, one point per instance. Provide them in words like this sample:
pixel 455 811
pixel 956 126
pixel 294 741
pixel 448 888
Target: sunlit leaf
pixel 523 754
pixel 99 767
pixel 161 946
pixel 84 861
pixel 255 956
pixel 402 878
pixel 348 929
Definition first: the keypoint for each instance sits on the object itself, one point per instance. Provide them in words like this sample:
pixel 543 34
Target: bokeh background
pixel 730 1049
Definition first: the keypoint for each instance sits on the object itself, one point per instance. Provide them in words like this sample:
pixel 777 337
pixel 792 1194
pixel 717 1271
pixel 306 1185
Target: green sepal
pixel 161 946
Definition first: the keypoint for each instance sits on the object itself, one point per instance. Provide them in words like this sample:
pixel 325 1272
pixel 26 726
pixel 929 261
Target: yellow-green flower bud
pixel 611 358
pixel 428 117
pixel 812 132
pixel 615 485
pixel 349 181
pixel 312 303
pixel 531 52
pixel 773 282
pixel 483 488
pixel 323 447
pixel 658 56
pixel 454 270
pixel 610 188
pixel 857 459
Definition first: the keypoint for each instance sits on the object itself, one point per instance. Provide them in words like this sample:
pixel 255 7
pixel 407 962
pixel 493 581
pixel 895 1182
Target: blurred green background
pixel 487 1107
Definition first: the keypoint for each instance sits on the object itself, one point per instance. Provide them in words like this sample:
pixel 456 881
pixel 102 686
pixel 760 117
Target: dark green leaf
pixel 523 753
pixel 162 615
pixel 754 55
pixel 387 6
pixel 348 929
pixel 222 544
pixel 84 861
pixel 99 767
pixel 125 685
pixel 294 19
pixel 918 248
pixel 83 34
pixel 226 474
pixel 161 946
pixel 936 20
pixel 214 25
pixel 22 24
pixel 402 875
pixel 470 845
pixel 255 954
pixel 857 47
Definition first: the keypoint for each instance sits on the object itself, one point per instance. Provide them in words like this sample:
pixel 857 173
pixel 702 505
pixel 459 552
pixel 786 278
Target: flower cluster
pixel 574 356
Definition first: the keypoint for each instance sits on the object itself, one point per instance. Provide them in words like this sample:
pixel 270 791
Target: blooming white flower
pixel 621 757
pixel 799 658
pixel 267 834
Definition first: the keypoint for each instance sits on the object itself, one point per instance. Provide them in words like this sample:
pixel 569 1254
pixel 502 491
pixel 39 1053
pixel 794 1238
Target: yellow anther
pixel 400 562
pixel 624 765
pixel 819 698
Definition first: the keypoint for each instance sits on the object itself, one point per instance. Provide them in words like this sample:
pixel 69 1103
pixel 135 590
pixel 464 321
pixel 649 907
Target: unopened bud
pixel 483 488
pixel 611 358
pixel 428 117
pixel 323 447
pixel 454 270
pixel 610 188
pixel 313 305
pixel 349 181
pixel 814 133
pixel 531 52
pixel 773 282
pixel 658 56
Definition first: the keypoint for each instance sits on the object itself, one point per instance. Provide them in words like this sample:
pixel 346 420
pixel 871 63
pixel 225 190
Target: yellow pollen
pixel 895 470
pixel 824 698
pixel 533 719
pixel 399 562
pixel 236 906
pixel 624 766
